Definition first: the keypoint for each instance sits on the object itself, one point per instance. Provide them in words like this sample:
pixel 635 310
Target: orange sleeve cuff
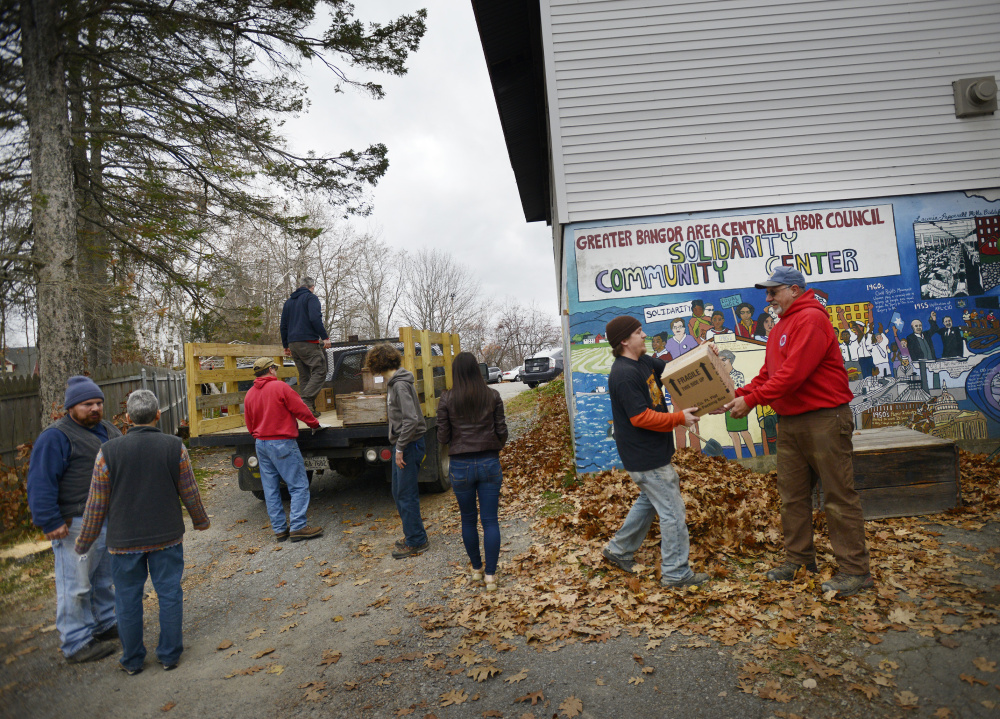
pixel 658 421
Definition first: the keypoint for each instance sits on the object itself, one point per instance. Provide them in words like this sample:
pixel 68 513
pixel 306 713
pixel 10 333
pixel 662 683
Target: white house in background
pixel 681 151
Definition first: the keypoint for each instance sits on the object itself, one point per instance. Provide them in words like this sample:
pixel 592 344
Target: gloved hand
pixel 321 426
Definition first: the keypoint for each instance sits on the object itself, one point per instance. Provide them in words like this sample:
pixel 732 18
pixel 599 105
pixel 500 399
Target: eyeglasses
pixel 772 291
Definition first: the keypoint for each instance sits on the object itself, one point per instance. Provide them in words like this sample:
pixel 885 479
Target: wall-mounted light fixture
pixel 975 96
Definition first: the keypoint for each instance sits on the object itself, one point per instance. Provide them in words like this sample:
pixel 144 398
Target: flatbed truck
pixel 350 449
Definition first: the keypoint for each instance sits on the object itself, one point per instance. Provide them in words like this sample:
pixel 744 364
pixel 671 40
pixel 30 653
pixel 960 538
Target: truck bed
pixel 240 436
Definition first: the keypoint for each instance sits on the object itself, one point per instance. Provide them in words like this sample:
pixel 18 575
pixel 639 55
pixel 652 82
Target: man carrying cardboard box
pixel 804 380
pixel 643 434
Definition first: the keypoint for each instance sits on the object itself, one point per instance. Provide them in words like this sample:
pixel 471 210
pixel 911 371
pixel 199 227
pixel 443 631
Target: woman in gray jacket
pixel 470 420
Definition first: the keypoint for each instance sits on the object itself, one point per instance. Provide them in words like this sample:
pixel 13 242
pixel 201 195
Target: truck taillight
pixel 385 455
pixel 237 460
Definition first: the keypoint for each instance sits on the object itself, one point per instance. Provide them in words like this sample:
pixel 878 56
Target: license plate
pixel 316 463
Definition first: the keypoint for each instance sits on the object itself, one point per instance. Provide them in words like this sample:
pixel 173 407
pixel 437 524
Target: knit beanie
pixel 80 389
pixel 620 328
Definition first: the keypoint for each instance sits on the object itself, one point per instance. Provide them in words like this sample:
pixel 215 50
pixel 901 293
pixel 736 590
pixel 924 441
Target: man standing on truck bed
pixel 301 334
pixel 270 409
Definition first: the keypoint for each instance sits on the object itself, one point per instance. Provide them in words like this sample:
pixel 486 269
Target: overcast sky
pixel 449 183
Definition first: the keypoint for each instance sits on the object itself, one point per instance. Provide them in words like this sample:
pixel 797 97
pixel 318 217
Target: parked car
pixel 513 375
pixel 543 367
pixel 494 377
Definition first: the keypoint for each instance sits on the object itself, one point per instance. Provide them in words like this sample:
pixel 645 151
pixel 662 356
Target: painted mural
pixel 911 285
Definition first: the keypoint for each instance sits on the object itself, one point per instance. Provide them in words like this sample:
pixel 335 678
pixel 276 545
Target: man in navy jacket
pixel 301 334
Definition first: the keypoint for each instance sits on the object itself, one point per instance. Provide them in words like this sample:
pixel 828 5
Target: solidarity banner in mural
pixel 731 252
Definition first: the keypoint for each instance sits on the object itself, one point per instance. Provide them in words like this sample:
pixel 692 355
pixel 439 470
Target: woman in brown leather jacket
pixel 470 420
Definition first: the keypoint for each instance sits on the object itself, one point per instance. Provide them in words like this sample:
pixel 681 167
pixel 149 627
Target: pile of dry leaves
pixel 561 591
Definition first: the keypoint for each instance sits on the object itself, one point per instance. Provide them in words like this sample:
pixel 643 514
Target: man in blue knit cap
pixel 62 463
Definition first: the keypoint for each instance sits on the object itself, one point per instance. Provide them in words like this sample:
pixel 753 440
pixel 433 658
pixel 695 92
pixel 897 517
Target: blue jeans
pixel 406 493
pixel 479 477
pixel 281 459
pixel 164 567
pixel 660 496
pixel 85 599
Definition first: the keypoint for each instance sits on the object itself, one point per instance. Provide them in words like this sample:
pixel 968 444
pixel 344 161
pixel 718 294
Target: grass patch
pixel 20 583
pixel 554 505
pixel 521 404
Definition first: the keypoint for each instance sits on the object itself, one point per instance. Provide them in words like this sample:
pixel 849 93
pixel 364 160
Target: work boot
pixel 109 634
pixel 305 533
pixel 626 565
pixel 407 551
pixel 694 580
pixel 787 571
pixel 847 584
pixel 91 652
pixel 281 536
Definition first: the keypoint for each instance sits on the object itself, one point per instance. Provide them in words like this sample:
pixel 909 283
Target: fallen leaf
pixel 492 713
pixel 256 633
pixel 907 700
pixel 984 665
pixel 571 707
pixel 168 706
pixel 330 657
pixel 971 679
pixel 262 653
pixel 809 683
pixel 648 670
pixel 455 696
pixel 533 697
pixel 943 713
pixel 482 673
pixel 225 644
pixel 275 669
pixel 636 680
pixel 869 692
pixel 520 676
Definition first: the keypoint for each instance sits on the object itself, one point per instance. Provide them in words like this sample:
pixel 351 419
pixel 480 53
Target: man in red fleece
pixel 804 380
pixel 644 437
pixel 270 409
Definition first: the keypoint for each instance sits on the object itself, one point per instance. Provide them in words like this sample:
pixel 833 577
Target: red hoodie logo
pixel 782 342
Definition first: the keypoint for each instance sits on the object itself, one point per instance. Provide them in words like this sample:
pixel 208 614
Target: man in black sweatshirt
pixel 302 332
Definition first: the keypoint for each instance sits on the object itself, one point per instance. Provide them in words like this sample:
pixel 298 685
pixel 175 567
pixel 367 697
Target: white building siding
pixel 663 107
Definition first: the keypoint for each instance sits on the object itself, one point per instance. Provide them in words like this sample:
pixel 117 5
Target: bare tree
pixel 441 295
pixel 520 332
pixel 378 286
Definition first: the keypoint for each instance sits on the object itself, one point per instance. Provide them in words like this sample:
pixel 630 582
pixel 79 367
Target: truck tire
pixel 258 493
pixel 531 385
pixel 433 476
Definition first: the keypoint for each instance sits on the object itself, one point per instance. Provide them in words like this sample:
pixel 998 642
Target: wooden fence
pixel 21 411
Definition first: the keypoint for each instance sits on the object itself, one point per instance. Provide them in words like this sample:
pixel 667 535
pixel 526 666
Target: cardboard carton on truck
pixel 698 379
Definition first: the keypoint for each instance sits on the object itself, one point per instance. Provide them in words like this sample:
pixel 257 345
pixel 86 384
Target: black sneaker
pixel 108 634
pixel 787 571
pixel 626 565
pixel 407 551
pixel 91 652
pixel 169 667
pixel 131 672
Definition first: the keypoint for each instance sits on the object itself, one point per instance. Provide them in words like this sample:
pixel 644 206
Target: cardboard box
pixel 698 379
pixel 324 400
pixel 373 384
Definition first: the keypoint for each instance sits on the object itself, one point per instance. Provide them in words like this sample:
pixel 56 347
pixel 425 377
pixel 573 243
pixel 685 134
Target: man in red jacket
pixel 804 380
pixel 269 410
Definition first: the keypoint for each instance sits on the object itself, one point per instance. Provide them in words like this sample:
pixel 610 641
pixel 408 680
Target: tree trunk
pixel 53 210
pixel 94 289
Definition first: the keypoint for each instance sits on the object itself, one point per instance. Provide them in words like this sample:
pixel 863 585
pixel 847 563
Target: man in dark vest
pixel 62 462
pixel 137 480
pixel 302 334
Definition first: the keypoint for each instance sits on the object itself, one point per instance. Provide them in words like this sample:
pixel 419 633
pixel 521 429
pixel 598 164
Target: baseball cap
pixel 783 276
pixel 262 365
